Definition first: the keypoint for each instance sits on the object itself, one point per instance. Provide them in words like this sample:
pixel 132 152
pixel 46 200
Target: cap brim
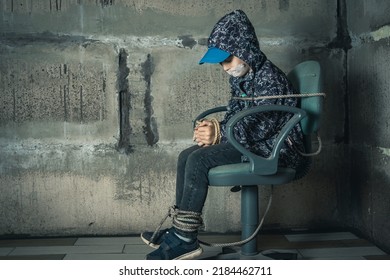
pixel 214 55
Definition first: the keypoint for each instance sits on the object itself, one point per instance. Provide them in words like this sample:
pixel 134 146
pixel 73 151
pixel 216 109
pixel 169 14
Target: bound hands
pixel 206 133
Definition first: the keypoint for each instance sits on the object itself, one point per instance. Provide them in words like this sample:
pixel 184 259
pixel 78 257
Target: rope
pixel 190 221
pixel 170 212
pixel 301 95
pixel 186 221
pixel 238 243
pixel 292 144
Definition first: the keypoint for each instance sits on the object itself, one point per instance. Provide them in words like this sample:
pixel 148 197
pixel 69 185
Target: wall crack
pixel 125 129
pixel 343 41
pixel 150 127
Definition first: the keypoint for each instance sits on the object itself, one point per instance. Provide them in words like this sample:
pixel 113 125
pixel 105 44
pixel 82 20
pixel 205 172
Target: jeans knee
pixel 185 153
pixel 195 158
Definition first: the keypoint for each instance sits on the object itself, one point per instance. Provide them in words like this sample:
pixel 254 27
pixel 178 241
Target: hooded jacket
pixel 235 34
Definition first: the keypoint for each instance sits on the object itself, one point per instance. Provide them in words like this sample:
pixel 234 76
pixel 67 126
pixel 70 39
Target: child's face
pixel 232 63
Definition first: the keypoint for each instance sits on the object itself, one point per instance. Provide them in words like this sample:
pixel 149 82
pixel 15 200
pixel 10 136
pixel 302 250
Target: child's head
pixel 234 35
pixel 231 64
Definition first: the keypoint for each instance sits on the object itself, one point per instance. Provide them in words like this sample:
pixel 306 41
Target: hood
pixel 235 34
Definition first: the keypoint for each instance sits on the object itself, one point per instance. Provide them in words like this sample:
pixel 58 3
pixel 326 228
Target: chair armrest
pixel 261 165
pixel 209 112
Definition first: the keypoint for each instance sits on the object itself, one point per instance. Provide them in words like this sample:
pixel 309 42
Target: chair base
pixel 235 253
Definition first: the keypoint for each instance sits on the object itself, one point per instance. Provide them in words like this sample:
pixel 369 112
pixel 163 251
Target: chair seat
pixel 240 174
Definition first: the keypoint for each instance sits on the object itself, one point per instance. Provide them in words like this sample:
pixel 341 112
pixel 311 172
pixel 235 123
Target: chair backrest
pixel 306 78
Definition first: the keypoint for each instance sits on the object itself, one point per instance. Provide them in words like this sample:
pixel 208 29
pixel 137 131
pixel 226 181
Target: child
pixel 234 45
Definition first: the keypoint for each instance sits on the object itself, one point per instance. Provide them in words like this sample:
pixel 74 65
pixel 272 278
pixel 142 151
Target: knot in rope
pixel 186 221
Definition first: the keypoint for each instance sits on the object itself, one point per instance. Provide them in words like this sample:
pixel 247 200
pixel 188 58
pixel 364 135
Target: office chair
pixel 259 171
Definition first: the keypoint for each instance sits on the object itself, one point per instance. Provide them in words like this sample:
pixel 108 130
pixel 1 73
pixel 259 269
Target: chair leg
pixel 249 224
pixel 249 218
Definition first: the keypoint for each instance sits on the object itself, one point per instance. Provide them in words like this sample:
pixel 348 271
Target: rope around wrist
pixel 217 131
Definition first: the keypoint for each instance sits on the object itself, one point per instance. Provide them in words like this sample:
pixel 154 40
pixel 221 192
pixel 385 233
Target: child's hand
pixel 204 133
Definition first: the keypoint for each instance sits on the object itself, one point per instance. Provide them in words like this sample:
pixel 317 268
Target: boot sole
pixel 153 245
pixel 190 255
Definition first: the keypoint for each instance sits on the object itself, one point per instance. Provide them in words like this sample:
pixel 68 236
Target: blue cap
pixel 214 55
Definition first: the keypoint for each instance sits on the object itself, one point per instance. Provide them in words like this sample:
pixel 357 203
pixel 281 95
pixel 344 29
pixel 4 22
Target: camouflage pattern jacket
pixel 235 34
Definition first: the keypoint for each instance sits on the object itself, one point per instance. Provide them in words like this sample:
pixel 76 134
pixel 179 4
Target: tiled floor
pixel 323 246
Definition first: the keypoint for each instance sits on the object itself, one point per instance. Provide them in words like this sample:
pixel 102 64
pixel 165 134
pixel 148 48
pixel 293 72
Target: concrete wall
pixel 369 97
pixel 97 99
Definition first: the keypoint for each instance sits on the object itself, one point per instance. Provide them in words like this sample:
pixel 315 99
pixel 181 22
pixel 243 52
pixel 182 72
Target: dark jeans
pixel 192 182
pixel 193 166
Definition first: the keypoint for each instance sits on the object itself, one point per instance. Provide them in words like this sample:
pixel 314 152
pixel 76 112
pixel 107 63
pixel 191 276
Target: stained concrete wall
pixel 369 97
pixel 97 99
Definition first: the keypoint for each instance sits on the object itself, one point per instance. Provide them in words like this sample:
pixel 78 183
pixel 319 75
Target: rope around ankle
pixel 186 221
pixel 189 221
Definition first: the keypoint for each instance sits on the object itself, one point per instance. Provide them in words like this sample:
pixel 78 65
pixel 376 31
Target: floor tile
pixel 280 254
pixel 321 244
pixel 212 238
pixel 48 250
pixel 34 257
pixel 270 241
pixel 314 246
pixel 320 236
pixel 356 243
pixel 142 250
pixel 137 249
pixel 37 242
pixel 87 241
pixel 129 256
pixel 340 252
pixel 264 255
pixel 5 251
pixel 377 257
pixel 209 252
pixel 104 257
pixel 350 258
